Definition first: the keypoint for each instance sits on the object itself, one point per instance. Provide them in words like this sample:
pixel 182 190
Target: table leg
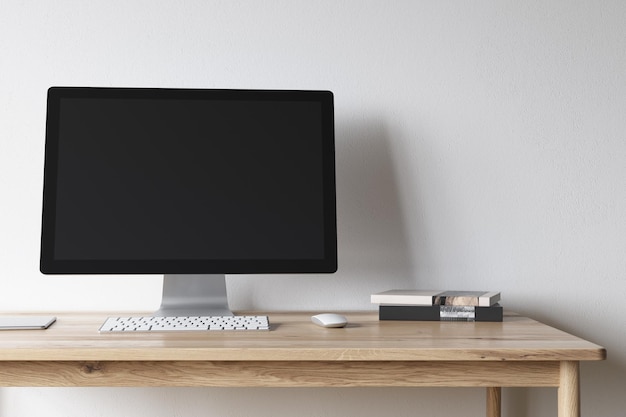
pixel 494 396
pixel 569 389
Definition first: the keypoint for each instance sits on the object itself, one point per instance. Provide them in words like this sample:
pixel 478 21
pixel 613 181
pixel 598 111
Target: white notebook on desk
pixel 26 322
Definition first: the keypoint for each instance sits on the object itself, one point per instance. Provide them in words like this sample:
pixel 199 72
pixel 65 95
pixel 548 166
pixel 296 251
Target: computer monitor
pixel 189 183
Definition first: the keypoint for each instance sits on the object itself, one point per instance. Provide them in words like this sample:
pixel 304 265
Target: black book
pixel 440 313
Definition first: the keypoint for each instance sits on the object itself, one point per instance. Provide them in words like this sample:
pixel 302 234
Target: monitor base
pixel 194 295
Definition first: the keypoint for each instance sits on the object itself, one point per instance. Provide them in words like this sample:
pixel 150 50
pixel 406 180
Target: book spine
pixel 485 300
pixel 440 313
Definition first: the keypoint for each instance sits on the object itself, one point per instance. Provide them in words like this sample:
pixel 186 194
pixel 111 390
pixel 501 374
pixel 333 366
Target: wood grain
pixel 494 401
pixel 569 389
pixel 517 352
pixel 294 337
pixel 280 374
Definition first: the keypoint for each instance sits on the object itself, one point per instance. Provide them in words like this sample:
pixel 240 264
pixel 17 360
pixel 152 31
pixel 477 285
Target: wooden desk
pixel 518 352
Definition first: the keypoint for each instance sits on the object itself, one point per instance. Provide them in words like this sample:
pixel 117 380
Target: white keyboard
pixel 184 324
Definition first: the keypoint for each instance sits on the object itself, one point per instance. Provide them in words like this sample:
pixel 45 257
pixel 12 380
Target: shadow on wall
pixel 373 248
pixel 373 243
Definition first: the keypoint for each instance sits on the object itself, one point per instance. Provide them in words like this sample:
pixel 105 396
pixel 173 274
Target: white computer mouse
pixel 329 320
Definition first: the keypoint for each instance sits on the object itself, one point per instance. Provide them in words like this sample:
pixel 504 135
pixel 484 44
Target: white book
pixel 436 297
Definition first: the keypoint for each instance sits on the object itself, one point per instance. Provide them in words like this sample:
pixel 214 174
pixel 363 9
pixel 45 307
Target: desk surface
pixel 75 337
pixel 296 353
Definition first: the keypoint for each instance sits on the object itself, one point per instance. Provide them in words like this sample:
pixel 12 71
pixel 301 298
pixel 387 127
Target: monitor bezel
pixel 50 265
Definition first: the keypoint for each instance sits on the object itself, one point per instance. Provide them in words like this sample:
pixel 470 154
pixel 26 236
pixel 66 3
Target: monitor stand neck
pixel 194 295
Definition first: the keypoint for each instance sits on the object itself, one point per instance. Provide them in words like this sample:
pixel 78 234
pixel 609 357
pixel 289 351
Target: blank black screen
pixel 199 178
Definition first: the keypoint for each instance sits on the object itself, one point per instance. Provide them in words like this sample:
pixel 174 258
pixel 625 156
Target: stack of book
pixel 427 305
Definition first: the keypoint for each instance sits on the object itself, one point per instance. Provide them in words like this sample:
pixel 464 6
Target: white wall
pixel 480 145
